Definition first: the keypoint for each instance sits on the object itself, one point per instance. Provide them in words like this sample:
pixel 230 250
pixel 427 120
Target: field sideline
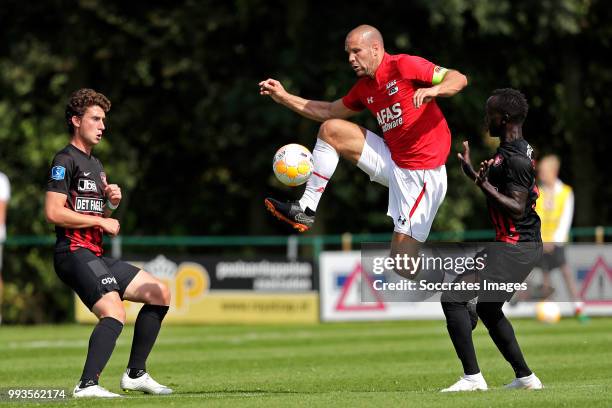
pixel 349 364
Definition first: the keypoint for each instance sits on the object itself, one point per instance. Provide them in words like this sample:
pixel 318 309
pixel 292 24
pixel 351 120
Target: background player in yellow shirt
pixel 555 206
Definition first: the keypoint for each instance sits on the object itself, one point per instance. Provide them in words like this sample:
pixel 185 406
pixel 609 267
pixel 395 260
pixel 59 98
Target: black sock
pixel 309 212
pixel 87 383
pixel 135 372
pixel 146 329
pixel 459 328
pixel 101 345
pixel 502 333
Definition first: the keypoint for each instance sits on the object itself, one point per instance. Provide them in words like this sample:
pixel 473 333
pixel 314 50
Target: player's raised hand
pixel 110 226
pixel 424 95
pixel 483 171
pixel 272 88
pixel 466 161
pixel 113 194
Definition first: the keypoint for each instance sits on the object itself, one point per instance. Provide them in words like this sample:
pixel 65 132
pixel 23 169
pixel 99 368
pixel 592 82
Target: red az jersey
pixel 418 139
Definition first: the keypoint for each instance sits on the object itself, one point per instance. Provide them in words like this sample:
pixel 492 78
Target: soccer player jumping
pixel 400 91
pixel 79 201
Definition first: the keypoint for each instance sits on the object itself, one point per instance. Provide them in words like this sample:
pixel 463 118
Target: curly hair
pixel 81 100
pixel 510 102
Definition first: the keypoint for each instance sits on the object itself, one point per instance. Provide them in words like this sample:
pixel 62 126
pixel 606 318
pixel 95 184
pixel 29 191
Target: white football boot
pixel 531 382
pixel 475 382
pixel 144 383
pixel 93 391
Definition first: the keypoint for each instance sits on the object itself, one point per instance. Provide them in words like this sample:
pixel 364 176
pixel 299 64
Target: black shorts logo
pixel 89 204
pixel 109 280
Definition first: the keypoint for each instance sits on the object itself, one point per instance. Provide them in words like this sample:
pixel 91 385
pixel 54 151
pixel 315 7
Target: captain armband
pixel 438 75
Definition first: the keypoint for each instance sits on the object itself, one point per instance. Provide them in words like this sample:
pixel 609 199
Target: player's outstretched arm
pixel 466 162
pixel 319 111
pixel 453 82
pixel 56 213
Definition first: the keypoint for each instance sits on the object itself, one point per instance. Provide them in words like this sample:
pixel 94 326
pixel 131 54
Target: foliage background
pixel 190 140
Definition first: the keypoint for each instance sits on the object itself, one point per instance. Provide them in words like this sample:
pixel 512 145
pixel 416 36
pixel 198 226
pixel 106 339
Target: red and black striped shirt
pixel 81 177
pixel 513 169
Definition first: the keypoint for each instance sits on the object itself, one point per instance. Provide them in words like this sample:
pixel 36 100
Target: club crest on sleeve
pixel 498 160
pixel 529 151
pixel 58 172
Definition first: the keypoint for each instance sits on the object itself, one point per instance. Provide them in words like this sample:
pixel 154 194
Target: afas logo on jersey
pixel 386 115
pixel 86 185
pixel 89 204
pixel 389 118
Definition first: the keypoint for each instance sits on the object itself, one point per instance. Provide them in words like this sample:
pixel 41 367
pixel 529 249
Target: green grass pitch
pixel 349 364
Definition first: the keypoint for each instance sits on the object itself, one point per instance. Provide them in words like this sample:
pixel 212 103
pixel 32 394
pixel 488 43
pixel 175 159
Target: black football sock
pixel 309 212
pixel 135 372
pixel 146 329
pixel 101 346
pixel 459 328
pixel 502 333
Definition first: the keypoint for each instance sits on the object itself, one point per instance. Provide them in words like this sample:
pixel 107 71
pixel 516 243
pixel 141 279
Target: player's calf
pixel 405 247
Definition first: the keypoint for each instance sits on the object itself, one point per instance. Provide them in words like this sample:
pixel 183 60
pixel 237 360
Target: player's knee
pixel 120 315
pixel 490 313
pixel 329 130
pixel 406 274
pixel 159 294
pixel 112 309
pixel 449 306
pixel 165 294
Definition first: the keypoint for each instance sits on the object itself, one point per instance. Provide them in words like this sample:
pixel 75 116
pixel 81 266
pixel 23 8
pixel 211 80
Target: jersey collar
pixel 79 150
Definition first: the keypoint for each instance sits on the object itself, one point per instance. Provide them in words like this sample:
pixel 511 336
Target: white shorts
pixel 414 195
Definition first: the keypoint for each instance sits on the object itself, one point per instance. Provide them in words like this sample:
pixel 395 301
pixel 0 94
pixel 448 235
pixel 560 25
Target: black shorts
pixel 507 265
pixel 553 260
pixel 90 276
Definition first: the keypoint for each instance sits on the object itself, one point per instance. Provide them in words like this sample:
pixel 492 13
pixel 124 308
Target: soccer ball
pixel 293 164
pixel 548 312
